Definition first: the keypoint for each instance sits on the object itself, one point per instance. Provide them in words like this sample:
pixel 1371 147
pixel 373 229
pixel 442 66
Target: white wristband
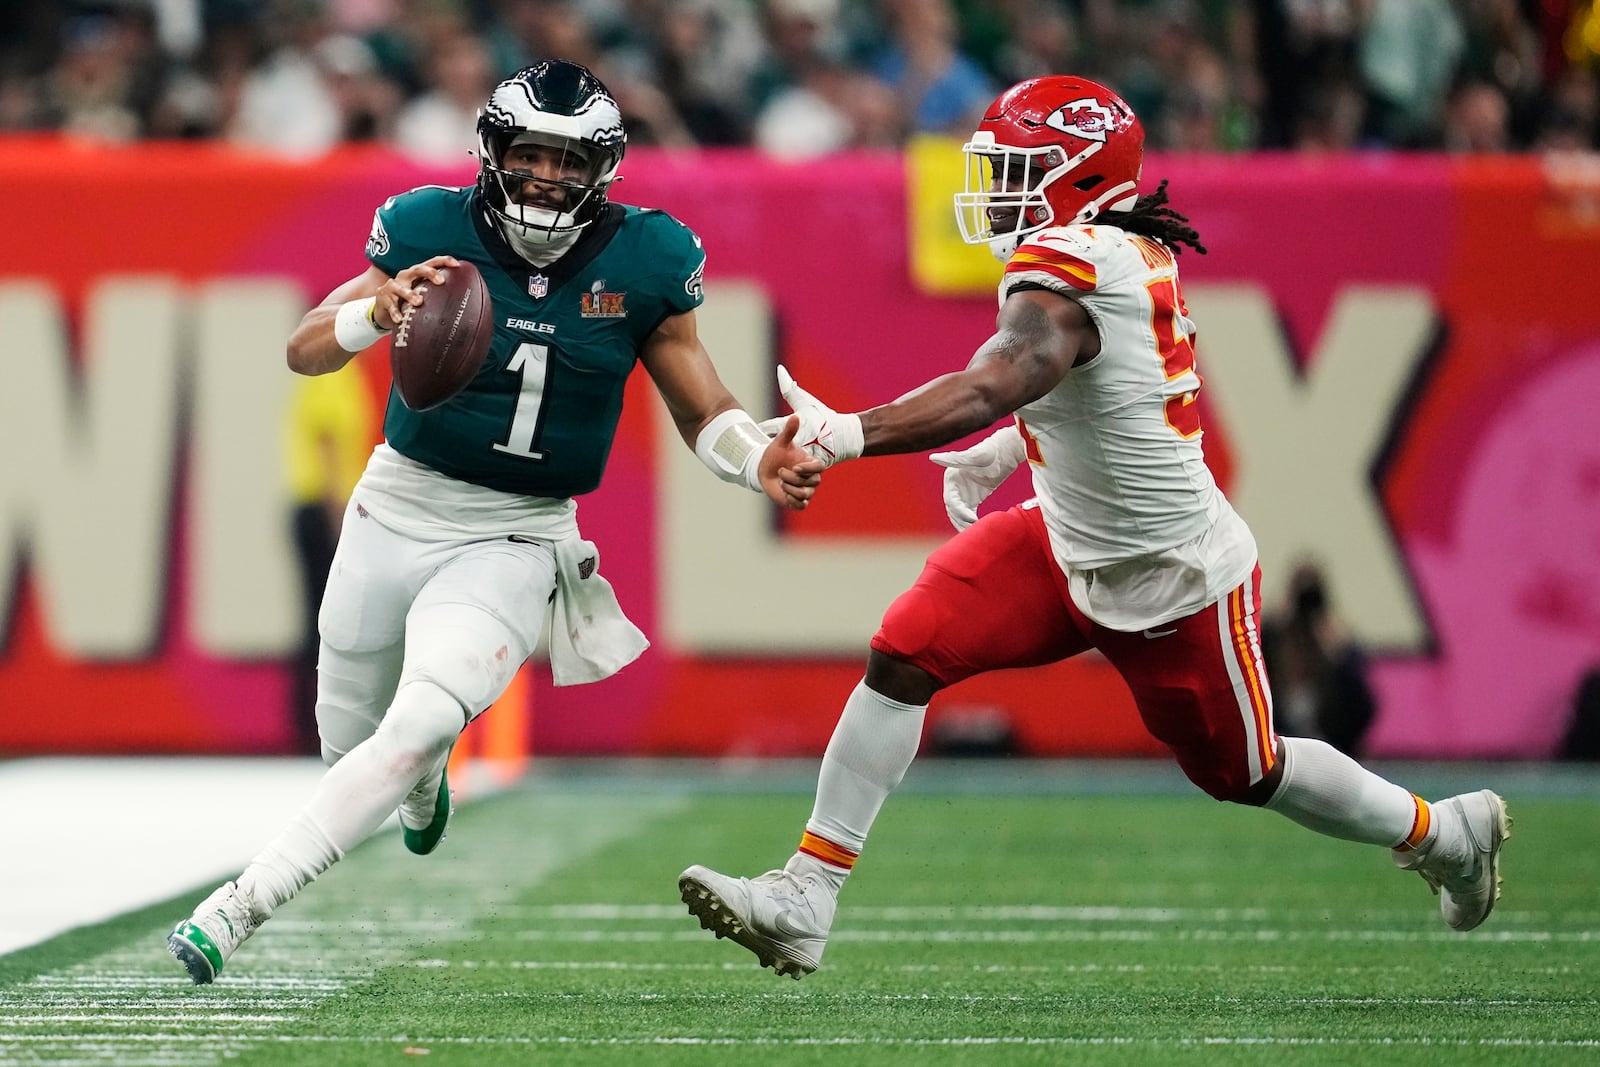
pixel 731 445
pixel 848 438
pixel 355 327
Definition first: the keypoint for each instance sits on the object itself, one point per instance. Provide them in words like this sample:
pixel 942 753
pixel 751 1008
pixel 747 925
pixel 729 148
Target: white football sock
pixel 427 786
pixel 873 743
pixel 356 794
pixel 298 854
pixel 1324 790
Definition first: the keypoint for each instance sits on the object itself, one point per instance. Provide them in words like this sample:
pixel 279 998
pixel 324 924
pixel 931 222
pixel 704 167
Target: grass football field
pixel 1003 914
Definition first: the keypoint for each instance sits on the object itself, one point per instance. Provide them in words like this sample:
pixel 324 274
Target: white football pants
pixel 460 614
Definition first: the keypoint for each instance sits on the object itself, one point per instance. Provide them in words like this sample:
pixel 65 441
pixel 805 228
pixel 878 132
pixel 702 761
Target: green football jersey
pixel 540 416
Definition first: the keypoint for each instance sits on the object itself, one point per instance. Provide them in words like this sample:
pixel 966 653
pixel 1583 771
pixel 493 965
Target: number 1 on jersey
pixel 532 362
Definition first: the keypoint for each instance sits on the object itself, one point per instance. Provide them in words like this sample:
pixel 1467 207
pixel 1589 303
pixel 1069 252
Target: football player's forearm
pixel 348 321
pixel 313 347
pixel 945 410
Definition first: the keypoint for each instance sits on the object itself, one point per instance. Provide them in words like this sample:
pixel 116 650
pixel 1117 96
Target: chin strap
pixel 541 253
pixel 1003 247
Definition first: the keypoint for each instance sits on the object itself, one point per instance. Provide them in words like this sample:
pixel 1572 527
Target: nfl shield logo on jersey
pixel 538 285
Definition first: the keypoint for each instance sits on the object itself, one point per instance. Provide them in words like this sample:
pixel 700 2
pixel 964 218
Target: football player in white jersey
pixel 1127 547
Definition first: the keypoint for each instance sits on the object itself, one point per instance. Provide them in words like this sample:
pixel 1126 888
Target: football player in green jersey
pixel 461 538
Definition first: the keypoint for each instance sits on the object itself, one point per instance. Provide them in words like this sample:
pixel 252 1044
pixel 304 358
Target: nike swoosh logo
pixel 789 927
pixel 1151 635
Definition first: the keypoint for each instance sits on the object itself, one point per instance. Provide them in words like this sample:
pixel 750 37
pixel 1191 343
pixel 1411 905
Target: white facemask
pixel 536 241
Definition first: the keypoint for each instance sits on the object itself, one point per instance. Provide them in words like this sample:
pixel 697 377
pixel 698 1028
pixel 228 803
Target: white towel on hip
pixel 590 637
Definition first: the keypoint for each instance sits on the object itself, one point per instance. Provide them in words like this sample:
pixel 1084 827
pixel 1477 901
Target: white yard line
pixel 102 1044
pixel 845 933
pixel 1044 913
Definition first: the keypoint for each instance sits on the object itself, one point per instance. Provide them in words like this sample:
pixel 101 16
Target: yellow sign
pixel 941 263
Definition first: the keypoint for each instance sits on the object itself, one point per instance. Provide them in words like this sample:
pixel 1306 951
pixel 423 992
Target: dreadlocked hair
pixel 1151 217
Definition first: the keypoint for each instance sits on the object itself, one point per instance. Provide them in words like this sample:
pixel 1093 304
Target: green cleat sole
pixel 191 947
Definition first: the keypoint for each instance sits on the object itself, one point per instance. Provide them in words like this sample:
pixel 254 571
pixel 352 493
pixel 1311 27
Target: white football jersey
pixel 1134 515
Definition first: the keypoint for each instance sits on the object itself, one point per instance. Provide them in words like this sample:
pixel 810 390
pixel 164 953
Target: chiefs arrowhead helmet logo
pixel 1088 118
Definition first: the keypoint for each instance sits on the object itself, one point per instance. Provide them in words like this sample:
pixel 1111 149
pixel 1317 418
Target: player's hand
pixel 789 476
pixel 400 291
pixel 827 435
pixel 973 473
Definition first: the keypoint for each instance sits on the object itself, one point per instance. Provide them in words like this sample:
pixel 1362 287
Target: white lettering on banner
pixel 731 585
pixel 89 487
pixel 86 486
pixel 88 483
pixel 1306 444
pixel 245 588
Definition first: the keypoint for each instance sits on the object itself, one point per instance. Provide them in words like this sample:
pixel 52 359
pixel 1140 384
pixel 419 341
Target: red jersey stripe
pixel 1072 275
pixel 1044 253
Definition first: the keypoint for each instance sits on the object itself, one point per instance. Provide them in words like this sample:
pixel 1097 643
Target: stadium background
pixel 1402 203
pixel 1398 334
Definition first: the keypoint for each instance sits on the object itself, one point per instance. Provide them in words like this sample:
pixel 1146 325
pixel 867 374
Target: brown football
pixel 439 345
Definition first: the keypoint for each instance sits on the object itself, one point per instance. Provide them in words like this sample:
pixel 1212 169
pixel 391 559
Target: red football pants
pixel 993 597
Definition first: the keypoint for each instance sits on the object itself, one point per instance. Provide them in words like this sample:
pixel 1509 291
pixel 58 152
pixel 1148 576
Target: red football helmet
pixel 1051 151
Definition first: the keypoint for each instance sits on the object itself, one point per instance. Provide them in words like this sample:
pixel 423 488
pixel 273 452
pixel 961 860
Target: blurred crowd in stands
pixel 801 78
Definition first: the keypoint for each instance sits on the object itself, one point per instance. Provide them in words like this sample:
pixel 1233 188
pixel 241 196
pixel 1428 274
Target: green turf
pixel 1095 929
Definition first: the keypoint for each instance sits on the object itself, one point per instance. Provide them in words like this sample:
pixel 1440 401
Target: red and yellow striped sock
pixel 832 854
pixel 1421 823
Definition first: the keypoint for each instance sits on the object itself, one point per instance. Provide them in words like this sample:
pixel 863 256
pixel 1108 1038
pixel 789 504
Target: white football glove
pixel 825 434
pixel 973 473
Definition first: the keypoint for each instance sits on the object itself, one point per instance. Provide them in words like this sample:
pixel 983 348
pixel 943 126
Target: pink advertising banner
pixel 1480 468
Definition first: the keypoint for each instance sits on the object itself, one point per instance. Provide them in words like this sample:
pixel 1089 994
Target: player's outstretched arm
pixel 357 314
pixel 1039 336
pixel 711 422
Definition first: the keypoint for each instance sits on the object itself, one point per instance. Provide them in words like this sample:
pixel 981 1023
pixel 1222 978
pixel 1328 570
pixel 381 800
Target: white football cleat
pixel 1462 865
pixel 781 917
pixel 222 922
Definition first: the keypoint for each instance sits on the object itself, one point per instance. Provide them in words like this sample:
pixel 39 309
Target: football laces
pixel 402 326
